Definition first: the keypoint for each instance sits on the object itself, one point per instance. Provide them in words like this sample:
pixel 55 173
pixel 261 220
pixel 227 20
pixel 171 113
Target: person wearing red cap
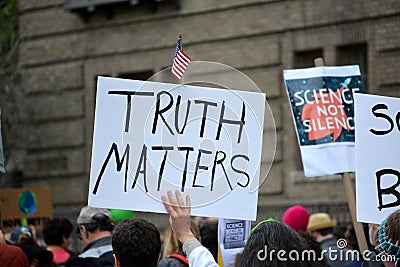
pixel 296 217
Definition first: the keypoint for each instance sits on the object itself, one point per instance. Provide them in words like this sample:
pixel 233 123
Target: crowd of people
pixel 299 239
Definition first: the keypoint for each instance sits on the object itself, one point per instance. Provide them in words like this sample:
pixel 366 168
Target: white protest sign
pixel 152 137
pixel 321 99
pixel 377 157
pixel 232 237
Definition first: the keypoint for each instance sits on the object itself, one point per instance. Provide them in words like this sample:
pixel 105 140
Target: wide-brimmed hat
pixel 319 221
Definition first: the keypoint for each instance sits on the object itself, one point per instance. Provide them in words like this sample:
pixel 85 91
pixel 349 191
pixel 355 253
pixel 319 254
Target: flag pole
pixel 350 195
pixel 180 39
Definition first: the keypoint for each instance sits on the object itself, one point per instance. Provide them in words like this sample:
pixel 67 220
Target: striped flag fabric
pixel 180 63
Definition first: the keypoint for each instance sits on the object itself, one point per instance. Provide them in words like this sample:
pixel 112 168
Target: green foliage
pixel 8 38
pixel 11 94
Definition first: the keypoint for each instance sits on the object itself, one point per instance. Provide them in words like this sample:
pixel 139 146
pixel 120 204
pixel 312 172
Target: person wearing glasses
pixel 95 228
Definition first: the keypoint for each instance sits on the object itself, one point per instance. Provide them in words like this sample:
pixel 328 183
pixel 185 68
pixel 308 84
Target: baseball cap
pixel 87 214
pixel 18 231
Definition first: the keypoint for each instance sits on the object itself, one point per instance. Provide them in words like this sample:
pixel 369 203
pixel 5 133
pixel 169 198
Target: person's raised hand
pixel 179 215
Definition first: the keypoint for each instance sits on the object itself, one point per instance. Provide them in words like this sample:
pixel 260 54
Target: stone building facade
pixel 65 47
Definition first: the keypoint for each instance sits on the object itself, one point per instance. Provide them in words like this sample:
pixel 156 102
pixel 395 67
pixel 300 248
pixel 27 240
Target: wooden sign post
pixel 350 195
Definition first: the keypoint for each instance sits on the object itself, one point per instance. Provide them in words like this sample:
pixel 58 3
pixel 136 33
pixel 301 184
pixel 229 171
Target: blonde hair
pixel 25 239
pixel 171 242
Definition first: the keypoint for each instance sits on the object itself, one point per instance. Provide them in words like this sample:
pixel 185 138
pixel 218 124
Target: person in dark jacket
pixel 321 225
pixel 95 227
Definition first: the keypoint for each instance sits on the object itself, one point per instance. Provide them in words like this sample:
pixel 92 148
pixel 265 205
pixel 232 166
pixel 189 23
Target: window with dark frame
pixel 354 55
pixel 305 59
pixel 142 75
pixel 85 8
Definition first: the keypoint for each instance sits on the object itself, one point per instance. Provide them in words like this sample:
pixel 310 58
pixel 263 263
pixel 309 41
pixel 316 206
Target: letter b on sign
pixel 391 190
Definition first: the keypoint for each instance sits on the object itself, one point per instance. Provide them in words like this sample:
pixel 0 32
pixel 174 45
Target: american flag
pixel 181 61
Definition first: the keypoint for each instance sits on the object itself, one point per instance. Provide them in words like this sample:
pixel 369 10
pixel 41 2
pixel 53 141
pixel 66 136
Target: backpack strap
pixel 180 258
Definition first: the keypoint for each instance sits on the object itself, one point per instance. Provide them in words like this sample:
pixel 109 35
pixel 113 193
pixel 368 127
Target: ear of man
pixel 117 263
pixel 84 232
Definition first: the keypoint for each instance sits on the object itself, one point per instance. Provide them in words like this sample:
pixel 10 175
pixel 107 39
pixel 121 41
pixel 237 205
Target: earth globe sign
pixel 27 202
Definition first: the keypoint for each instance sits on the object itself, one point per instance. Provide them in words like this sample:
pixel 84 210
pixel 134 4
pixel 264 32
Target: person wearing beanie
pixel 388 240
pixel 321 227
pixel 296 217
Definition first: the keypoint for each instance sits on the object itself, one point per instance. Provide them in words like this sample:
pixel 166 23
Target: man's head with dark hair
pixel 57 231
pixel 325 231
pixel 136 242
pixel 339 231
pixel 208 231
pixel 101 222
